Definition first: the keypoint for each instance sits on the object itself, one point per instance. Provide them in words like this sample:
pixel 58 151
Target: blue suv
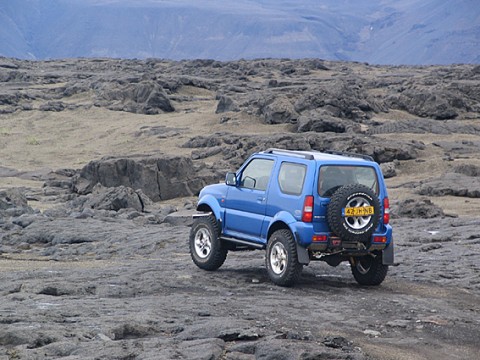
pixel 299 206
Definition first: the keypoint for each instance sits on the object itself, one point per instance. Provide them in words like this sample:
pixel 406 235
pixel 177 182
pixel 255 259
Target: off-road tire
pixel 369 270
pixel 206 249
pixel 281 258
pixel 358 229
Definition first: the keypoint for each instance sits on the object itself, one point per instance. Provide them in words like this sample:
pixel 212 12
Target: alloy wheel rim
pixel 203 243
pixel 358 222
pixel 363 265
pixel 278 258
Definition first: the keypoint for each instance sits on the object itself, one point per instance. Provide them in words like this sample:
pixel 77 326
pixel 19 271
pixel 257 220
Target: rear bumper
pixel 378 241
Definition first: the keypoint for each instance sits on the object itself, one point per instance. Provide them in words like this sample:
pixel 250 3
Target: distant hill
pixel 375 31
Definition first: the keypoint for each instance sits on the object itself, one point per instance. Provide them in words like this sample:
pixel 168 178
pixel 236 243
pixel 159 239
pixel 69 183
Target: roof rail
pixel 349 154
pixel 290 152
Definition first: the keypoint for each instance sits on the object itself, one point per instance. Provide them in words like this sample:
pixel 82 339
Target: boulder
pixel 424 102
pixel 160 178
pixel 151 98
pixel 13 203
pixel 116 198
pixel 344 98
pixel 389 169
pixel 11 198
pixel 321 121
pixel 417 209
pixel 11 98
pixel 54 106
pixel 146 97
pixel 280 111
pixel 452 184
pixel 179 218
pixel 225 104
pixel 467 169
pixel 204 141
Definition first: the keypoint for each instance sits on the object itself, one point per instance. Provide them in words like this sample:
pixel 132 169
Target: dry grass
pixel 38 141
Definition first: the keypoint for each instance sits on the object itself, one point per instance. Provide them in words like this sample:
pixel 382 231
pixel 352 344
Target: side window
pixel 256 174
pixel 291 177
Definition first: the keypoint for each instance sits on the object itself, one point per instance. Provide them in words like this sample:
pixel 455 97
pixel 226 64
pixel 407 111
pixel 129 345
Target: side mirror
pixel 231 179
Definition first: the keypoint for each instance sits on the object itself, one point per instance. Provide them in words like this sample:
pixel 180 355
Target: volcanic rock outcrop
pixel 160 178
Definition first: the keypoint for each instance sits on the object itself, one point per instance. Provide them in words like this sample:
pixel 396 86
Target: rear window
pixel 333 176
pixel 291 178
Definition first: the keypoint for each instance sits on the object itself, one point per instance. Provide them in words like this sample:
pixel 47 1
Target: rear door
pixel 288 190
pixel 333 176
pixel 245 204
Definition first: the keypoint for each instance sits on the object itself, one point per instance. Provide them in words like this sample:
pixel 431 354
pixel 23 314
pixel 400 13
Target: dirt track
pixel 156 305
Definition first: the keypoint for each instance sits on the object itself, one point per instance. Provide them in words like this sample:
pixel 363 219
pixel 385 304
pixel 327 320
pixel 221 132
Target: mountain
pixel 375 31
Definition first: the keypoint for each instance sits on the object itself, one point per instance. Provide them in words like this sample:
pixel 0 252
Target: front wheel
pixel 369 270
pixel 281 259
pixel 206 249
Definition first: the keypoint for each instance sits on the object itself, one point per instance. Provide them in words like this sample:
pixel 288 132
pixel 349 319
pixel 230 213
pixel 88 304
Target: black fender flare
pixel 302 253
pixel 387 254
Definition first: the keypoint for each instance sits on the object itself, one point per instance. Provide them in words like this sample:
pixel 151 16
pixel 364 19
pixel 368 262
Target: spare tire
pixel 353 213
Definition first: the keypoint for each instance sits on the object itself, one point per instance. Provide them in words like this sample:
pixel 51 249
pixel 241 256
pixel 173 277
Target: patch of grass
pixel 4 131
pixel 13 354
pixel 32 140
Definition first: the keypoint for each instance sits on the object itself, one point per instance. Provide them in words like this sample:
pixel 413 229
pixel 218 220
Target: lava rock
pixel 160 178
pixel 116 198
pixel 320 121
pixel 467 169
pixel 389 169
pixel 417 209
pixel 225 104
pixel 279 111
pixel 14 203
pixel 146 97
pixel 424 103
pixel 452 184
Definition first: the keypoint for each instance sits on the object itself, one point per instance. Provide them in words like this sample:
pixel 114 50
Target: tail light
pixel 319 238
pixel 386 211
pixel 307 214
pixel 380 239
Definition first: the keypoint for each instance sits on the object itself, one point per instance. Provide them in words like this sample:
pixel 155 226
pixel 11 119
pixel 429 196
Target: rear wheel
pixel 353 227
pixel 369 270
pixel 206 249
pixel 281 260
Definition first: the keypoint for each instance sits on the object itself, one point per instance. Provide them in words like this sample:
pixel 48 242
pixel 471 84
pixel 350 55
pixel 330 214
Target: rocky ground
pixel 100 164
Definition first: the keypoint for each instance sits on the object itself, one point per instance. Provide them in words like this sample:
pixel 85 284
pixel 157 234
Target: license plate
pixel 359 211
